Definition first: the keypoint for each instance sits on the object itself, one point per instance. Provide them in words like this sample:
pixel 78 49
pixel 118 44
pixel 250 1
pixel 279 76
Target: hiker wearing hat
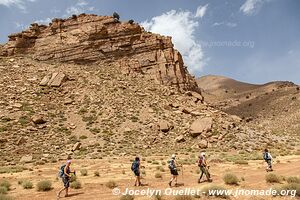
pixel 202 164
pixel 65 174
pixel 135 167
pixel 173 170
pixel 268 158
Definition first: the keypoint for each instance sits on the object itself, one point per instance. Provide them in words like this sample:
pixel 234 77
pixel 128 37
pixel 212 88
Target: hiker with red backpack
pixel 65 174
pixel 202 164
pixel 268 158
pixel 135 167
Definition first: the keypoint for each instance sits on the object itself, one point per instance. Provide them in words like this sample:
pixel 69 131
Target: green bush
pixel 3 190
pixel 83 172
pixel 27 184
pixel 75 185
pixel 127 197
pixel 272 178
pixel 6 184
pixel 111 184
pixel 45 185
pixel 230 179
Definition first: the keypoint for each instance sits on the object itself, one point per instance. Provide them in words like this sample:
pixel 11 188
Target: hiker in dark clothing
pixel 173 170
pixel 203 168
pixel 135 167
pixel 268 158
pixel 66 176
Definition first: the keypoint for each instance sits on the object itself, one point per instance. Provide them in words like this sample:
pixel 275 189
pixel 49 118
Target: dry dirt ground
pixel 118 170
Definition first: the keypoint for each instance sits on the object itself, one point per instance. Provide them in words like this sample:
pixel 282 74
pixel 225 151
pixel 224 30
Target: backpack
pixel 200 161
pixel 61 172
pixel 266 156
pixel 134 166
pixel 171 164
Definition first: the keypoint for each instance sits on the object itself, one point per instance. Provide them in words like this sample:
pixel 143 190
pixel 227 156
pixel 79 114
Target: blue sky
pixel 249 40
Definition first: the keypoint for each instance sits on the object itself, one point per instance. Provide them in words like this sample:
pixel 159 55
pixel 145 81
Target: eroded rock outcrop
pixel 92 38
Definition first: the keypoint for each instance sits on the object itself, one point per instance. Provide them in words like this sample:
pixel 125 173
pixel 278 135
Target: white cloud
pixel 80 7
pixel 181 25
pixel 17 3
pixel 251 7
pixel 201 10
pixel 229 24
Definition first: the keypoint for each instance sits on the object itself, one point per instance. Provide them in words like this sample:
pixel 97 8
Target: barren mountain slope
pixel 273 106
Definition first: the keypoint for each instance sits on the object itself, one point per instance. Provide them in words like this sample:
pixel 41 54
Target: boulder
pixel 180 139
pixel 38 119
pixel 3 140
pixel 21 141
pixel 76 146
pixel 57 80
pixel 45 80
pixel 164 126
pixel 26 159
pixel 203 144
pixel 201 125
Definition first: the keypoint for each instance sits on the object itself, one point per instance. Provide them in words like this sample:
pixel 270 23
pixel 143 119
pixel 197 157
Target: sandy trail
pixel 94 187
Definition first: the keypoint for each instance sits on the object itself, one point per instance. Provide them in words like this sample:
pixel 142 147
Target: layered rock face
pixel 92 38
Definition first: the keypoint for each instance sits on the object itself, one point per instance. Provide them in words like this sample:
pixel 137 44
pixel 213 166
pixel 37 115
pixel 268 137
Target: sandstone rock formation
pixel 201 125
pixel 91 38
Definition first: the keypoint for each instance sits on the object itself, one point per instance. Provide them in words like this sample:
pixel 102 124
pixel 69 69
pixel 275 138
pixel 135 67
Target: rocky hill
pixel 98 87
pixel 90 38
pixel 272 106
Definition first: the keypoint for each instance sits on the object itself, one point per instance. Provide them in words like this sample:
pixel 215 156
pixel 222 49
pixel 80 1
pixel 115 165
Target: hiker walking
pixel 268 158
pixel 173 170
pixel 65 174
pixel 202 164
pixel 135 167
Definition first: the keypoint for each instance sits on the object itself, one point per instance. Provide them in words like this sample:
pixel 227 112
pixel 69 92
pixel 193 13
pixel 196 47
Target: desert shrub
pixel 272 178
pixel 45 185
pixel 230 179
pixel 241 162
pixel 183 197
pixel 4 197
pixel 158 175
pixel 293 179
pixel 111 184
pixel 84 172
pixel 289 186
pixel 214 188
pixel 157 197
pixel 75 185
pixel 154 162
pixel 116 16
pixel 131 21
pixel 127 197
pixel 3 190
pixel 27 184
pixel 73 178
pixel 5 183
pixel 96 173
pixel 83 137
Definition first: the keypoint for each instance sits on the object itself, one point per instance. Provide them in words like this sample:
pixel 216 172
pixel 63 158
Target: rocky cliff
pixel 90 38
